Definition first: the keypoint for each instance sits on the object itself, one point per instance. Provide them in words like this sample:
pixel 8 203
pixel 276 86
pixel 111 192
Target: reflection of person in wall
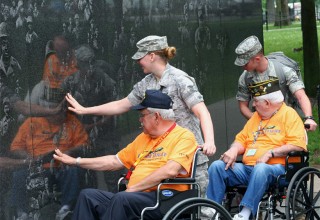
pixel 7 126
pixel 59 63
pixel 92 85
pixel 10 68
pixel 20 20
pixel 10 81
pixel 191 112
pixel 31 35
pixel 94 39
pixel 10 88
pixel 32 54
pixel 77 30
pixel 202 34
pixel 36 143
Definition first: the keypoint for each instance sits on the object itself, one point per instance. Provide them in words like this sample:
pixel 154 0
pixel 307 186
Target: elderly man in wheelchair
pixel 164 150
pixel 270 134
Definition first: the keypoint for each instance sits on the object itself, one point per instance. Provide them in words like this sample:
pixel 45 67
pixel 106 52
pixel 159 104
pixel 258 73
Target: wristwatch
pixel 308 117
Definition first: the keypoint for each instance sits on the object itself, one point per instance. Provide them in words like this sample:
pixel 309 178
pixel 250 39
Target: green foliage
pixel 289 40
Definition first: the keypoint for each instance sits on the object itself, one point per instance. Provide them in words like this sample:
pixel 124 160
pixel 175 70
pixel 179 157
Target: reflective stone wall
pixel 84 47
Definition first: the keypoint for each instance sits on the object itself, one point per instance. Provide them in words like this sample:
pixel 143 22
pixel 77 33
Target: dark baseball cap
pixel 154 99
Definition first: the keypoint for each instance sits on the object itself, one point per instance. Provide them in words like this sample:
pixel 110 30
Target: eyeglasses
pixel 141 115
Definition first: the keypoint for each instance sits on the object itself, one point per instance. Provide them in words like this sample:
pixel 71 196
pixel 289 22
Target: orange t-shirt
pixel 285 127
pixel 55 72
pixel 38 137
pixel 179 146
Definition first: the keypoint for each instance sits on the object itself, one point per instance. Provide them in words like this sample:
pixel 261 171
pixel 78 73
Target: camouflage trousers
pixel 202 177
pixel 203 180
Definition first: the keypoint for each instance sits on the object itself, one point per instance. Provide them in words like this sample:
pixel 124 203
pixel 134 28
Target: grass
pixel 286 39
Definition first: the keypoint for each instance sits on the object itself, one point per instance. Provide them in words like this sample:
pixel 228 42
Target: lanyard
pixel 147 152
pixel 261 129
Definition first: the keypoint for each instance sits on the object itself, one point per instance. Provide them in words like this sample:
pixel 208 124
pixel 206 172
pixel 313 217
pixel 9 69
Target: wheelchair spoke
pixel 311 188
pixel 302 200
pixel 316 199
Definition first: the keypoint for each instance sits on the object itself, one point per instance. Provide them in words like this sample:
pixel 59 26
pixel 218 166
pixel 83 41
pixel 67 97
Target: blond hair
pixel 166 53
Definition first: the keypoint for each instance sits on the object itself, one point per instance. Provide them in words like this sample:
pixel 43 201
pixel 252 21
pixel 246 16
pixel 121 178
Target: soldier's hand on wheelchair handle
pixel 310 125
pixel 209 148
pixel 64 158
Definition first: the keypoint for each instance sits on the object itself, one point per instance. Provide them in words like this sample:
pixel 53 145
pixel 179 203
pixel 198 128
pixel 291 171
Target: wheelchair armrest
pixel 298 154
pixel 293 166
pixel 179 180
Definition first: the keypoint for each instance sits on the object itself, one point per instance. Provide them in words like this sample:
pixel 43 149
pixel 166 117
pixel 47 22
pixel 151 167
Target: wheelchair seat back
pixel 170 197
pixel 167 198
pixel 292 167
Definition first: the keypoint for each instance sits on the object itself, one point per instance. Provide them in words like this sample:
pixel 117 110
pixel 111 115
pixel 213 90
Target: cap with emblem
pixel 154 99
pixel 246 50
pixel 148 44
pixel 265 87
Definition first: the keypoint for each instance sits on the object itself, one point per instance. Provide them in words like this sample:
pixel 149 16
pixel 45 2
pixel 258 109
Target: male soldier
pixel 257 68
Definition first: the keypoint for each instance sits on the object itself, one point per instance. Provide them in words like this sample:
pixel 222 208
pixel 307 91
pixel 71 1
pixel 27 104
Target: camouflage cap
pixel 148 44
pixel 264 87
pixel 246 50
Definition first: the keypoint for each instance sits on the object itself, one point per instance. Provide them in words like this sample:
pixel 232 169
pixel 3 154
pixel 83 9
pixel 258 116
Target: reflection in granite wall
pixel 84 47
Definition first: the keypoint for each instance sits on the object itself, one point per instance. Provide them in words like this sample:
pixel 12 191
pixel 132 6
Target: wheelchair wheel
pixel 302 199
pixel 195 204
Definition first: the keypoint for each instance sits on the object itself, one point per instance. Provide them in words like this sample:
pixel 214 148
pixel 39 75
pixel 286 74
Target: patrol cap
pixel 246 50
pixel 264 87
pixel 154 99
pixel 148 44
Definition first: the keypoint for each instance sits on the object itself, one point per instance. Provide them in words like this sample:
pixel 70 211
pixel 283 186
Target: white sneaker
pixel 23 216
pixel 238 217
pixel 208 214
pixel 63 212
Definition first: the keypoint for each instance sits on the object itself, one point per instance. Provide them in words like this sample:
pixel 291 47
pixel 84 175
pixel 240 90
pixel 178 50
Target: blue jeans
pixel 257 178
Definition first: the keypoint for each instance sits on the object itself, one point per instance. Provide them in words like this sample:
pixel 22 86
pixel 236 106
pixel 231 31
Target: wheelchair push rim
pixel 181 207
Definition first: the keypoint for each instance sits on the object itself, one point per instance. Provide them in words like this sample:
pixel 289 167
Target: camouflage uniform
pixel 184 93
pixel 250 47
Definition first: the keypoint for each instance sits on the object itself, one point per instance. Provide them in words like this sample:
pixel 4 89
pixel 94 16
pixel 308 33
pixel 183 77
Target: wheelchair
pixel 293 196
pixel 182 205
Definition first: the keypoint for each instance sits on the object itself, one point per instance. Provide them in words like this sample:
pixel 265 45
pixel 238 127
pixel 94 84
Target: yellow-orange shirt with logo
pixel 285 127
pixel 178 146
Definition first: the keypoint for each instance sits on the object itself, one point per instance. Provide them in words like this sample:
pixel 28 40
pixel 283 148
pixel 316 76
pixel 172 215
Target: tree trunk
pixel 271 11
pixel 282 13
pixel 310 46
